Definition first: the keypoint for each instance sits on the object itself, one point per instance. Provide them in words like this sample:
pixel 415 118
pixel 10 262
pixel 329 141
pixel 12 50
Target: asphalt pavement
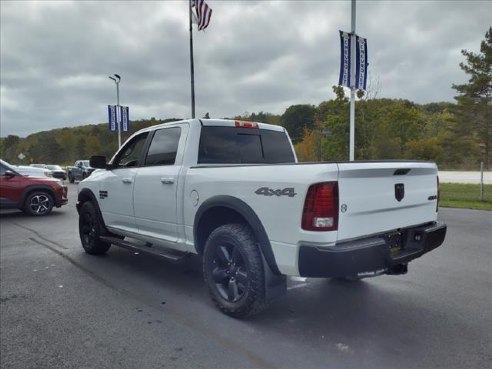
pixel 62 308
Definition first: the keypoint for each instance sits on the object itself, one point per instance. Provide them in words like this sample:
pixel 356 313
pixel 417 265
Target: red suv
pixel 33 195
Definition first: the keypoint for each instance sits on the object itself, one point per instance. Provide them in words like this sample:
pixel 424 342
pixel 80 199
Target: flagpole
pixel 352 87
pixel 192 67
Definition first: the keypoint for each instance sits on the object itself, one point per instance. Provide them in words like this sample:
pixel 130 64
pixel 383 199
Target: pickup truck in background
pixel 233 193
pixel 80 171
pixel 55 170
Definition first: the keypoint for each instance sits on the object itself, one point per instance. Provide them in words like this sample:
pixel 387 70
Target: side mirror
pixel 9 174
pixel 98 161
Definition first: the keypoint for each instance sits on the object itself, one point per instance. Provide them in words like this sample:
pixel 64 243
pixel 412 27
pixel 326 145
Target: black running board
pixel 170 255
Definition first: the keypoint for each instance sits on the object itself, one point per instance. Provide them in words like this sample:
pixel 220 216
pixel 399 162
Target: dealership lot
pixel 61 308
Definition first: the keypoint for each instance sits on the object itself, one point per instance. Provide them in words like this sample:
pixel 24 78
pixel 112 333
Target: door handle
pixel 167 180
pixel 126 180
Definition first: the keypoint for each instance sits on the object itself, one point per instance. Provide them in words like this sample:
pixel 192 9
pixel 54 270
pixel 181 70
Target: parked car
pixel 38 165
pixel 57 171
pixel 35 195
pixel 32 171
pixel 81 170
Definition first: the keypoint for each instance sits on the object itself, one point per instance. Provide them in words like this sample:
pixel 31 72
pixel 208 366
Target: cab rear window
pixel 232 145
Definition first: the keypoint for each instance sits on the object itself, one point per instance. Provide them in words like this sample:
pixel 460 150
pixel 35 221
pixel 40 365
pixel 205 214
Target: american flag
pixel 203 13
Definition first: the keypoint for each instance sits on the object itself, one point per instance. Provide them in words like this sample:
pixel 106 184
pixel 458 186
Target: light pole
pixel 117 80
pixel 352 88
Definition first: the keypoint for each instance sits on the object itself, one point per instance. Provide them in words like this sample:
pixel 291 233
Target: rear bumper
pixel 371 256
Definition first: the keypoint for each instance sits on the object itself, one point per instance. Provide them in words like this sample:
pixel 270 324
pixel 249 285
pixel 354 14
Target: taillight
pixel 438 195
pixel 321 207
pixel 242 124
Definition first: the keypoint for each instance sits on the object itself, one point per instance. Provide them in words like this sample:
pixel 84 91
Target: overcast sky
pixel 56 56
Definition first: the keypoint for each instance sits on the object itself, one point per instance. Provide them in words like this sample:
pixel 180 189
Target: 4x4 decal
pixel 265 191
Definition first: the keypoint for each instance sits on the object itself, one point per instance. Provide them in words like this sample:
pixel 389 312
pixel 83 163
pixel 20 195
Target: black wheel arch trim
pixel 243 209
pixel 86 193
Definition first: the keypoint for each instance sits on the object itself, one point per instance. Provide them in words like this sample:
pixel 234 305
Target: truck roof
pixel 217 123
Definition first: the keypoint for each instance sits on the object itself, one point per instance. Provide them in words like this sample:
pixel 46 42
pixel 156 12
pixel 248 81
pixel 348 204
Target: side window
pixel 164 146
pixel 130 154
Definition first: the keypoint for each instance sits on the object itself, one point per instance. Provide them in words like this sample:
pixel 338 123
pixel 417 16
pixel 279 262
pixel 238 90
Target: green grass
pixel 458 195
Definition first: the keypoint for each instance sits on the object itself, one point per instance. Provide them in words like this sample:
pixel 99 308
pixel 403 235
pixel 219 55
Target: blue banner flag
pixel 112 117
pixel 124 118
pixel 345 60
pixel 361 63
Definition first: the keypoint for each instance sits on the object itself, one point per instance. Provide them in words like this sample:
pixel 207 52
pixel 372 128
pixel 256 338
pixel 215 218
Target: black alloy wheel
pixel 229 272
pixel 39 203
pixel 233 271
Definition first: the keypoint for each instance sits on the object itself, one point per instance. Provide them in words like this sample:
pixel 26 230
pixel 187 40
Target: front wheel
pixel 233 271
pixel 39 203
pixel 91 229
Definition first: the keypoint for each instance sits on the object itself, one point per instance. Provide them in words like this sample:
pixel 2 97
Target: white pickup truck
pixel 233 193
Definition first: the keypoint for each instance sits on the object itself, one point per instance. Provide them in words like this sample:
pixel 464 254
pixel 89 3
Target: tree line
pixel 64 146
pixel 386 129
pixel 454 135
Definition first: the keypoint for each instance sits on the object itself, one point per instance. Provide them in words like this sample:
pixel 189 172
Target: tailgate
pixel 383 196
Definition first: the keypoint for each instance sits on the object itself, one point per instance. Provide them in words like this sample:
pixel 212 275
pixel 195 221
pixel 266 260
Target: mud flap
pixel 275 284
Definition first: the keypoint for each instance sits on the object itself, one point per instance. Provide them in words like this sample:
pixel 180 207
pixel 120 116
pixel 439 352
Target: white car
pixel 32 171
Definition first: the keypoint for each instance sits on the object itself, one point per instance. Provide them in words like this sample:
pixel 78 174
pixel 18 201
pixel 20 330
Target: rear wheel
pixel 91 229
pixel 39 203
pixel 233 271
pixel 71 179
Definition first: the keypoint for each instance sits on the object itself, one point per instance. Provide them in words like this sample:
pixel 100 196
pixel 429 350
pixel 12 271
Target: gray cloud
pixel 255 56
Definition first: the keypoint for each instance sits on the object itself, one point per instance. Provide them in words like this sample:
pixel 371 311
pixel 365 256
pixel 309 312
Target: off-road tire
pixel 39 203
pixel 233 271
pixel 90 230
